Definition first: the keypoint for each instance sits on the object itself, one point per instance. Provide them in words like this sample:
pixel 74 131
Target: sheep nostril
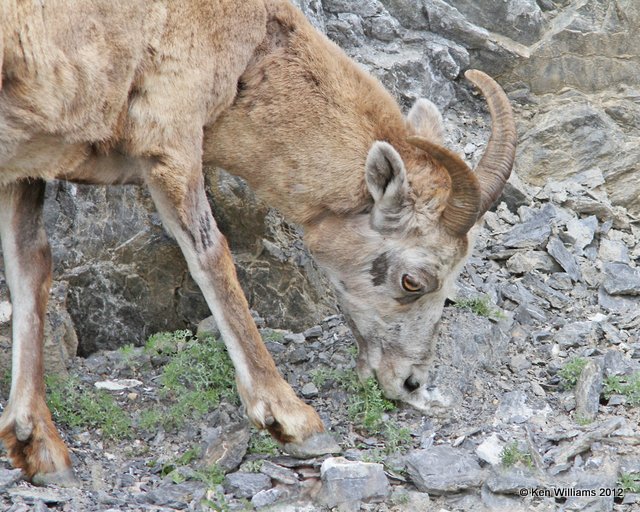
pixel 411 384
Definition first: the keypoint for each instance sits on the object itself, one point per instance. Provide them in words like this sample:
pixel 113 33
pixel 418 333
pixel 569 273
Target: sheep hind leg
pixel 26 429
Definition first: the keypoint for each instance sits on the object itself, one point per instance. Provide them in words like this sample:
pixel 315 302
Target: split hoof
pixel 314 446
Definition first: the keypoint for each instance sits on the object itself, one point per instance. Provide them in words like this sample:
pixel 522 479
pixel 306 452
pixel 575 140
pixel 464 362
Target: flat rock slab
pixel 443 469
pixel 246 485
pixel 621 279
pixel 347 483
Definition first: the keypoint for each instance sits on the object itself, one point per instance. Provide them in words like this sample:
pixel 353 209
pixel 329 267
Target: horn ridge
pixel 494 168
pixel 464 201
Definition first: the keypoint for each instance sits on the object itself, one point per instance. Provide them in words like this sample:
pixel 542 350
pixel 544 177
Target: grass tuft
pixel 76 405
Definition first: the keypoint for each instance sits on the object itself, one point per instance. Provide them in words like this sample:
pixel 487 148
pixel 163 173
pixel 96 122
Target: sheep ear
pixel 425 120
pixel 386 180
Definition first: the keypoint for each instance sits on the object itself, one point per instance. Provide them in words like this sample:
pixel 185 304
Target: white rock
pixel 5 312
pixel 118 384
pixel 490 450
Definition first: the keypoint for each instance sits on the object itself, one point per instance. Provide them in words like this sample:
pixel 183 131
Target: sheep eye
pixel 410 284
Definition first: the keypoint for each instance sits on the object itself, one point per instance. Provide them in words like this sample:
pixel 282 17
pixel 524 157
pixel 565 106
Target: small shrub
pixel 628 386
pixel 571 371
pixel 481 306
pixel 261 442
pixel 512 455
pixel 198 375
pixel 75 405
pixel 630 482
pixel 368 405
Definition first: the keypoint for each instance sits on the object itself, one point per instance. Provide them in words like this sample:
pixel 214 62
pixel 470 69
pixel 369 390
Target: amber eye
pixel 410 284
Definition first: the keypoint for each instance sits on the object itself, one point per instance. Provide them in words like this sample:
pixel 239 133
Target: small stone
pixel 577 334
pixel 8 477
pixel 279 473
pixel 513 408
pixel 31 494
pixel 208 327
pixel 309 390
pixel 588 391
pixel 299 355
pixel 443 469
pixel 490 450
pixel 313 332
pixel 294 338
pixel 523 262
pixel 511 480
pixel 613 251
pixel 621 279
pixel 580 233
pixel 564 258
pixel 519 363
pixel 175 496
pixel 117 384
pixel 347 484
pixel 268 497
pixel 246 485
pixel 226 448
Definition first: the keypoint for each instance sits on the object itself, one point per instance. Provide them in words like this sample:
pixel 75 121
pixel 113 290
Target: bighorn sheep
pixel 128 91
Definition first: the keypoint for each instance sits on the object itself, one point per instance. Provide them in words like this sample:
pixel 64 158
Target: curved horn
pixel 463 204
pixel 494 167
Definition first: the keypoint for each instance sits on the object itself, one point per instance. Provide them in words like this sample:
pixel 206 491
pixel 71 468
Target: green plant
pixel 188 457
pixel 75 405
pixel 628 386
pixel 320 376
pixel 253 466
pixel 198 375
pixel 272 335
pixel 261 442
pixel 481 306
pixel 368 405
pixel 211 476
pixel 630 482
pixel 571 371
pixel 512 455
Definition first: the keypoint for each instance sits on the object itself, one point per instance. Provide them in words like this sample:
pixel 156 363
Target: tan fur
pixel 131 91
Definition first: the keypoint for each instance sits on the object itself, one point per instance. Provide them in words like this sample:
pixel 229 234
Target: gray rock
pixel 564 258
pixel 294 338
pixel 442 469
pixel 309 390
pixel 490 450
pixel 176 496
pixel 613 251
pixel 279 473
pixel 580 233
pixel 588 391
pixel 532 233
pixel 621 279
pixel 313 332
pixel 32 494
pixel 617 303
pixel 208 327
pixel 347 484
pixel 246 485
pixel 511 480
pixel 8 477
pixel 577 334
pixel 226 447
pixel 524 262
pixel 268 497
pixel 513 408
